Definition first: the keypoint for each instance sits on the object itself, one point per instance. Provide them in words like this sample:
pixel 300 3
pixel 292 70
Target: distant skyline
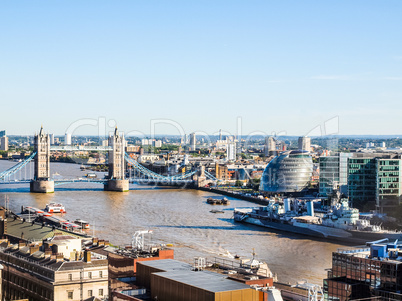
pixel 280 66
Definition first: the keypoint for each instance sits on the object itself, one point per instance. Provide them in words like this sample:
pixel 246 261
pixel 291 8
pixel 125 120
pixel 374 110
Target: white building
pixel 67 139
pixel 4 143
pixel 193 141
pixel 305 143
pixel 270 146
pixel 151 142
pixel 51 136
pixel 231 152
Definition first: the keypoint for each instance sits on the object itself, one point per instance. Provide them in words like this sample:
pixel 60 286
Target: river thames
pixel 177 216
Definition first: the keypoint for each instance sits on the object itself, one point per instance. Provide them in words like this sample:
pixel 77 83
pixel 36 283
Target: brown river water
pixel 177 216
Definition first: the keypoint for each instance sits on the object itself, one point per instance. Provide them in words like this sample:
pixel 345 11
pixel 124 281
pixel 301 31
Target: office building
pixel 231 151
pixel 373 272
pixel 269 146
pixel 304 143
pixel 389 184
pixel 157 143
pixel 193 141
pixel 4 143
pixel 51 137
pixel 67 139
pixel 374 181
pixel 334 171
pixel 2 133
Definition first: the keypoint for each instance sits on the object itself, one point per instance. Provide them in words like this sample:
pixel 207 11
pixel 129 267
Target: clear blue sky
pixel 282 66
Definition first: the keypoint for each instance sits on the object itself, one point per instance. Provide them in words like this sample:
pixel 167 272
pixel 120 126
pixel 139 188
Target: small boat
pixel 225 201
pixel 82 223
pixel 211 201
pixel 55 208
pixel 91 175
pixel 216 211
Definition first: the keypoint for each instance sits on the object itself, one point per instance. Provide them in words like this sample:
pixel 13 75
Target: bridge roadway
pixel 75 148
pixel 103 181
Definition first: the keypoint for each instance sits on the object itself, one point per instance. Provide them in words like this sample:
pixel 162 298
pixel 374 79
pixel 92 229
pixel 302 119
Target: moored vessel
pixel 83 224
pixel 338 222
pixel 223 201
pixel 55 208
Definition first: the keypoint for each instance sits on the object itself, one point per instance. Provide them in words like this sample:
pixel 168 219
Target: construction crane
pixel 138 239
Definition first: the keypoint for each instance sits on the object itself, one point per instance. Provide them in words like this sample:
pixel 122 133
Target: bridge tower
pixel 41 181
pixel 201 179
pixel 116 180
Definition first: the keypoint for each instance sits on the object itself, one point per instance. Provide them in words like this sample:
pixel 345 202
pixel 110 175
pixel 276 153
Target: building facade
pixel 388 184
pixel 193 141
pixel 289 172
pixel 370 273
pixel 333 171
pixel 375 182
pixel 231 151
pixel 35 275
pixel 304 143
pixel 67 139
pixel 4 143
pixel 269 146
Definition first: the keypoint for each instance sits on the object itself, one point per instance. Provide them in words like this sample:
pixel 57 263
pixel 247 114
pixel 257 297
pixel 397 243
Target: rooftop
pixel 167 265
pixel 204 280
pixel 34 231
pixel 49 262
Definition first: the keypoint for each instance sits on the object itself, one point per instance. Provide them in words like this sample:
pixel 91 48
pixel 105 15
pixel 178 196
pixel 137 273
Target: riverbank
pixel 235 195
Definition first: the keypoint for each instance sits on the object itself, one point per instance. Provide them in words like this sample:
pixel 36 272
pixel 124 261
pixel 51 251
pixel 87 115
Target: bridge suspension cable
pixel 154 175
pixel 16 167
pixel 210 176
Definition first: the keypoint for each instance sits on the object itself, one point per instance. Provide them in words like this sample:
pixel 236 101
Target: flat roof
pixel 167 264
pixel 34 232
pixel 205 280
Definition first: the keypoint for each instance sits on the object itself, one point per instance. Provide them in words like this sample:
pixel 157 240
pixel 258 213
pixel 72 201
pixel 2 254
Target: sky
pixel 171 67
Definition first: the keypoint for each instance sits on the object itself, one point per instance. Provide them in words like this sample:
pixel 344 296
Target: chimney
pixel 101 242
pixel 21 244
pixel 54 249
pixel 59 257
pixel 48 252
pixel 87 256
pixel 33 249
pixel 95 241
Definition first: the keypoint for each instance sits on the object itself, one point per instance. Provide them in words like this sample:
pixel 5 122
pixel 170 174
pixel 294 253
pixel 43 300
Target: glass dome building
pixel 291 171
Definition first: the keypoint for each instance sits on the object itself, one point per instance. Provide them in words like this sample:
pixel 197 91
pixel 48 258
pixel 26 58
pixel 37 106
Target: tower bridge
pixel 116 179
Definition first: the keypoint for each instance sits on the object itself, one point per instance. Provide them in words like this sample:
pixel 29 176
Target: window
pixel 101 292
pixel 70 295
pixel 100 274
pixel 90 275
pixel 70 277
pixel 89 293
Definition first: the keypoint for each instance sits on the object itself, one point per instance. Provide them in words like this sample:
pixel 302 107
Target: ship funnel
pixel 286 202
pixel 310 208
